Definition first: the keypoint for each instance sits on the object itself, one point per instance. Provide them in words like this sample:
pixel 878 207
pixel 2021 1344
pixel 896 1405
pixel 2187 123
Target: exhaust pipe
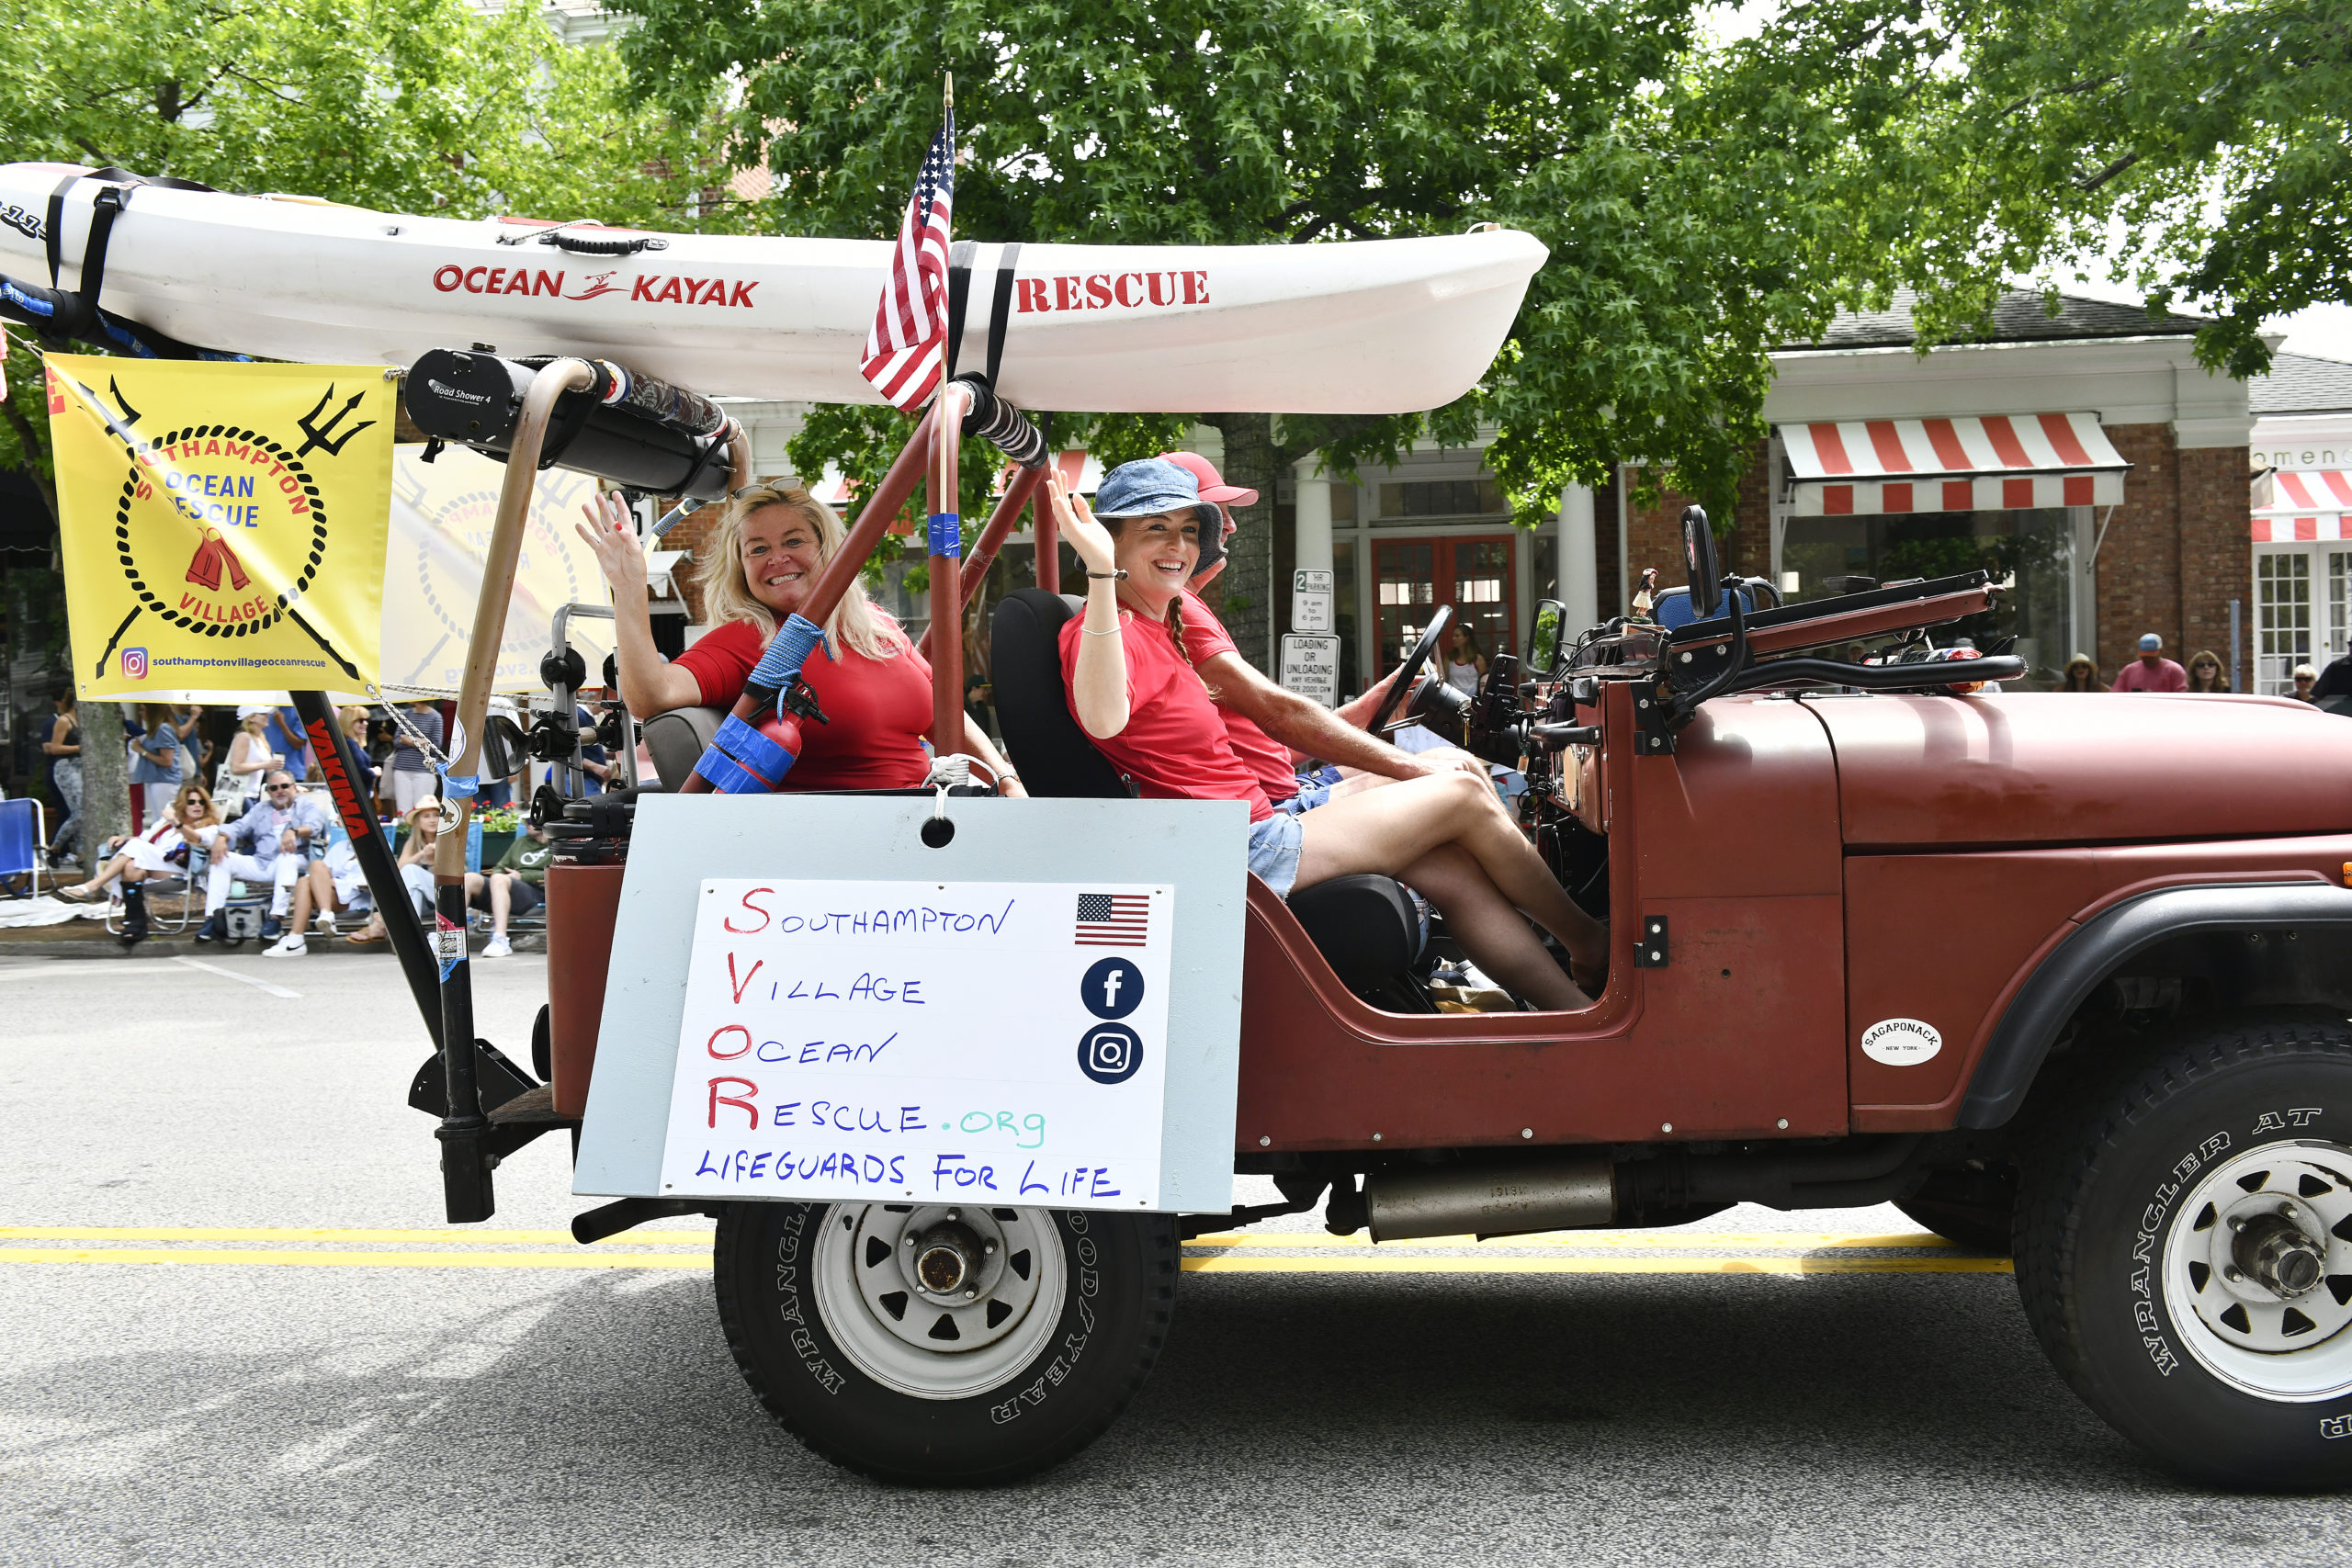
pixel 1494 1201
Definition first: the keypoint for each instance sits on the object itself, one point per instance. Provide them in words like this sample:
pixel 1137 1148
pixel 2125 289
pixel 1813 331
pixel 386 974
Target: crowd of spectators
pixel 264 820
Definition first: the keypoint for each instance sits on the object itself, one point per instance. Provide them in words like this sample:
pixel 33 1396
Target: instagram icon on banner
pixel 134 664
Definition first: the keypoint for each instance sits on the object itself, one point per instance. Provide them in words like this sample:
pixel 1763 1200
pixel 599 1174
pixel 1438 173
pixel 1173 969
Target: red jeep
pixel 2065 976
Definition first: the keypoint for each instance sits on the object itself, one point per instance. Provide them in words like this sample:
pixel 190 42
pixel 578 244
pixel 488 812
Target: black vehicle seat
pixel 1052 753
pixel 676 741
pixel 1366 926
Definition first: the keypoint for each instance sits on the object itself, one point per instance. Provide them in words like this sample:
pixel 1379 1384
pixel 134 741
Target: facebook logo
pixel 1113 988
pixel 1110 1053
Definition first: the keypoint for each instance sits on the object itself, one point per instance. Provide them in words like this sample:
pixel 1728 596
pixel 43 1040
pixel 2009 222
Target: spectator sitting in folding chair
pixel 166 848
pixel 514 886
pixel 270 843
pixel 334 882
pixel 415 864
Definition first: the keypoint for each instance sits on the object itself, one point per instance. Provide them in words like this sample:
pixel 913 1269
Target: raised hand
pixel 607 533
pixel 1087 536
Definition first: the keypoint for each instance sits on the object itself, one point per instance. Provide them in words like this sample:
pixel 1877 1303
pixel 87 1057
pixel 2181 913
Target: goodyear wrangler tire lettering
pixel 913 1388
pixel 2188 1265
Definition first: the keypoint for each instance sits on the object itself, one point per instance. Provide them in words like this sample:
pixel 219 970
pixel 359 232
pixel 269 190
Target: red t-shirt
pixel 1173 746
pixel 879 708
pixel 1267 759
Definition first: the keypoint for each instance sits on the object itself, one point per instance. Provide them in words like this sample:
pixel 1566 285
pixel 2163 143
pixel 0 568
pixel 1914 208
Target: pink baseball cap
pixel 1212 485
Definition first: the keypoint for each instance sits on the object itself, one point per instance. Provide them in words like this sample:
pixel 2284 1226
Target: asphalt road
pixel 388 1393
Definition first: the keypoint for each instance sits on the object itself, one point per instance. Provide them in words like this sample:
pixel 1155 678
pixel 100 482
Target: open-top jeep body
pixel 2064 976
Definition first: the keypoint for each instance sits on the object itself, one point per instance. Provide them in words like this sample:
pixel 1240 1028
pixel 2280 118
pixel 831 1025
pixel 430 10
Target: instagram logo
pixel 1110 1053
pixel 134 664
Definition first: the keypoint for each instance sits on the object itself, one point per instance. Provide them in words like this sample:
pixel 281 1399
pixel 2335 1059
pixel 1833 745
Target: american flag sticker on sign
pixel 1113 919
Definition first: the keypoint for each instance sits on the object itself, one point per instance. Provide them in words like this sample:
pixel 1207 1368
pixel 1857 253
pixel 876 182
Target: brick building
pixel 2165 550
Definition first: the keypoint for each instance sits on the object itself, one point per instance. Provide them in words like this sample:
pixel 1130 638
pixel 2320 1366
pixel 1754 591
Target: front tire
pixel 942 1344
pixel 2185 1256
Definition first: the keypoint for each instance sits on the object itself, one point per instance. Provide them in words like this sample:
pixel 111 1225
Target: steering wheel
pixel 1432 639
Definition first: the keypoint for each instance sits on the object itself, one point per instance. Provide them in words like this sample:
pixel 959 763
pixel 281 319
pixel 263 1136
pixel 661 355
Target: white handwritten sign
pixel 996 1042
pixel 1310 667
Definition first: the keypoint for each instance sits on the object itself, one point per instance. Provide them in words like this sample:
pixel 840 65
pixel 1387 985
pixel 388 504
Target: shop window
pixel 2033 551
pixel 1344 504
pixel 2282 618
pixel 1418 499
pixel 2339 606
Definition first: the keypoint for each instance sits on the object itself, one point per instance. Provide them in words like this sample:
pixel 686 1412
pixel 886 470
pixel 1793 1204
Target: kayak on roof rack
pixel 1378 326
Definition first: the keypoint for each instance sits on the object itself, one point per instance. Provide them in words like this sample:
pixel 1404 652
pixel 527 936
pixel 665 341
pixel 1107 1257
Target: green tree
pixel 426 105
pixel 2201 146
pixel 1688 236
pixel 415 105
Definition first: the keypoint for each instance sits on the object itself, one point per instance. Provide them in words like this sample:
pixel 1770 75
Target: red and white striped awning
pixel 1990 463
pixel 2310 503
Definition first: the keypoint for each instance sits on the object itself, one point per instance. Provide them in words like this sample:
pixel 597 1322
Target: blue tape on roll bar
pixel 753 749
pixel 946 534
pixel 787 652
pixel 455 787
pixel 728 776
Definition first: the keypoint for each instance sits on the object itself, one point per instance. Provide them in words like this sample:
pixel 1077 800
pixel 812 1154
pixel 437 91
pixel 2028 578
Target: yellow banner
pixel 223 524
pixel 441 516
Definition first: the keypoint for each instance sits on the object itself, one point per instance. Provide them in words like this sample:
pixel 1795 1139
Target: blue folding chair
pixel 22 835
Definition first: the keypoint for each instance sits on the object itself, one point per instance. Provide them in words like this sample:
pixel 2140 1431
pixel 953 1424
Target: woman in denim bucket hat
pixel 1133 690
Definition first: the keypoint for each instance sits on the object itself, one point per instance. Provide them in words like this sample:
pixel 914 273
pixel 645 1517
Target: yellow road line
pixel 1329 1263
pixel 1675 1239
pixel 270 1233
pixel 1457 1264
pixel 701 1239
pixel 585 1257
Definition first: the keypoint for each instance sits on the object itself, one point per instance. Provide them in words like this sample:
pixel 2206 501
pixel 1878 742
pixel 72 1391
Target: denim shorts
pixel 1274 852
pixel 1309 797
pixel 1313 790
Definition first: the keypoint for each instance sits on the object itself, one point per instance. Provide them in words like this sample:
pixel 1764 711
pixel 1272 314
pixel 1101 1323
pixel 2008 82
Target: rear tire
pixel 2185 1254
pixel 1067 1312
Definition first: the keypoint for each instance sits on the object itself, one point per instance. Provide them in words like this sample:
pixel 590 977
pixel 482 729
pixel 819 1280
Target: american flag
pixel 1113 919
pixel 904 351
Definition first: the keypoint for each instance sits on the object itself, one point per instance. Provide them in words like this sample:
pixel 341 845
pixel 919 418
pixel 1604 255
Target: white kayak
pixel 1379 326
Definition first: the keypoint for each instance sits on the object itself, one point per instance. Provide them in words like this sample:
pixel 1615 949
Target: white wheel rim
pixel 954 1345
pixel 2274 1343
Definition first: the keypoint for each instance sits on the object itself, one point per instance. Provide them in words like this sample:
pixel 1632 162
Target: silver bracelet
pixel 1089 631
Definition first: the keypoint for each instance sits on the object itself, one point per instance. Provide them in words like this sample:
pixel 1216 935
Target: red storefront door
pixel 1474 575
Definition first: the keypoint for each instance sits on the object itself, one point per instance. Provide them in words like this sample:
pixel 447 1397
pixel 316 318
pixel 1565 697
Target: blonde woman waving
pixel 764 557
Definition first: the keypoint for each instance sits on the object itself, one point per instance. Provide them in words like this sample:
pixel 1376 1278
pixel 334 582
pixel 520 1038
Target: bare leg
pixel 1355 781
pixel 502 900
pixel 1387 829
pixel 105 879
pixel 306 898
pixel 1490 931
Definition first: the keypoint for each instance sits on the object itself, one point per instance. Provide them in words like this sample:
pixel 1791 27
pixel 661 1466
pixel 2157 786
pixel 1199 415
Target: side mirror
pixel 1543 640
pixel 1699 560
